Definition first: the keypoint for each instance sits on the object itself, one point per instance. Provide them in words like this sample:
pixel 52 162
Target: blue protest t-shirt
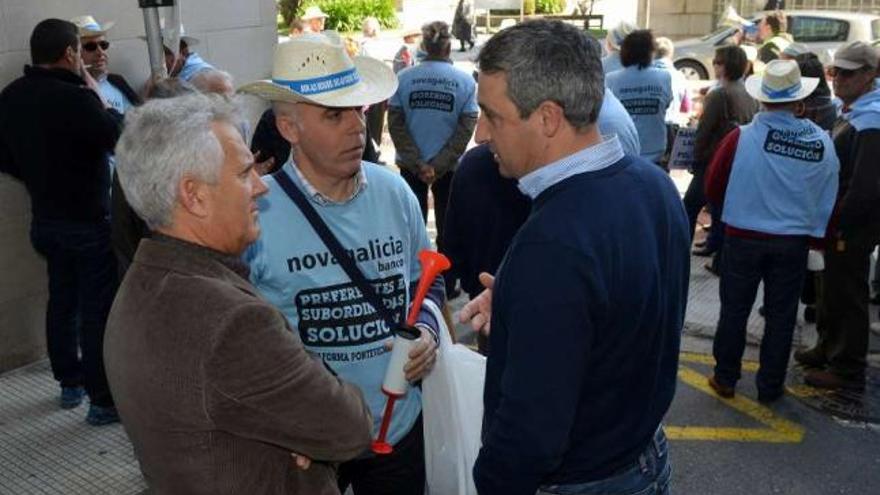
pixel 784 177
pixel 383 230
pixel 646 94
pixel 113 96
pixel 432 96
pixel 611 63
pixel 613 119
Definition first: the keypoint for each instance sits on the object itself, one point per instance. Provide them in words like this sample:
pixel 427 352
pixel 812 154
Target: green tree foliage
pixel 348 15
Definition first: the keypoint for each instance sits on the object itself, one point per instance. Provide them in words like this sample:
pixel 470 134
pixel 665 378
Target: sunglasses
pixel 93 45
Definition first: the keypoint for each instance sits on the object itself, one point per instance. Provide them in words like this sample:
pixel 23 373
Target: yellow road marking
pixel 778 430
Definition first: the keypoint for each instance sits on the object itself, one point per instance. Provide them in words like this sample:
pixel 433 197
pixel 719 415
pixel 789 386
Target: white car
pixel 818 29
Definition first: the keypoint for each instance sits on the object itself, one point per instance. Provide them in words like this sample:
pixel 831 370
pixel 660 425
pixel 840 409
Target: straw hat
pixel 88 26
pixel 781 82
pixel 619 33
pixel 312 69
pixel 168 35
pixel 313 12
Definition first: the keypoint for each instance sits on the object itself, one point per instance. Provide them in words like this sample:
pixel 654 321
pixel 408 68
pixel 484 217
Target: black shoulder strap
pixel 336 249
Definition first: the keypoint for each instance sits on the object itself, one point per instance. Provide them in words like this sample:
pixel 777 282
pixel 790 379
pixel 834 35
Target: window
pixel 816 29
pixel 875 29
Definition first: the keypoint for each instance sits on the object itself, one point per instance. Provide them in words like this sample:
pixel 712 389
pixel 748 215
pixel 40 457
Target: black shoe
pixel 761 312
pixel 471 43
pixel 704 251
pixel 701 244
pixel 768 397
pixel 810 314
pixel 811 358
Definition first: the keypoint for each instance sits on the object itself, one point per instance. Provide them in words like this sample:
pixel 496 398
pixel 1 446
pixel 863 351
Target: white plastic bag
pixel 452 410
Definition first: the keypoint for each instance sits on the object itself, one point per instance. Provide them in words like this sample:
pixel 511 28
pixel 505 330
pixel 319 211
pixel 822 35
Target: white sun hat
pixel 168 35
pixel 313 12
pixel 88 26
pixel 781 82
pixel 312 69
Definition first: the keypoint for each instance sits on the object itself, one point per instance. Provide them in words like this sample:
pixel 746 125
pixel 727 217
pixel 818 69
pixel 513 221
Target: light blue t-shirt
pixel 193 65
pixel 613 119
pixel 382 227
pixel 432 96
pixel 865 112
pixel 784 177
pixel 646 94
pixel 113 96
pixel 611 62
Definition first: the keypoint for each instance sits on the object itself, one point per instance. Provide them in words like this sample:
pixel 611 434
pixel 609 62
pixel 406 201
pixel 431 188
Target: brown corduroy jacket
pixel 213 388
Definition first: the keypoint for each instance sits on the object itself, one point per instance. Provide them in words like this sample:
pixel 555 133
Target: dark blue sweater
pixel 588 308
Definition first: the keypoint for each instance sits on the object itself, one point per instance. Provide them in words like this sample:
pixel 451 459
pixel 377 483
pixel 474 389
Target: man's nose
pixel 482 136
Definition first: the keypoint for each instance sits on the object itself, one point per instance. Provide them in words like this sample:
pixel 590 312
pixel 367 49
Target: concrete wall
pixel 681 18
pixel 237 36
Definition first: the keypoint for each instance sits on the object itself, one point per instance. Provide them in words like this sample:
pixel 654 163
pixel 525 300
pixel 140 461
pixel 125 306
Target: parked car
pixel 818 29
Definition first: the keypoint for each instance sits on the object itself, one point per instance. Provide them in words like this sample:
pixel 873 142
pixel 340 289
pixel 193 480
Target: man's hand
pixel 300 461
pixel 422 356
pixel 426 174
pixel 478 312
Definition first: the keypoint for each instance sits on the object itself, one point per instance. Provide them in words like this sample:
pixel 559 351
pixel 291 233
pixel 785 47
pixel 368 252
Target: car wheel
pixel 692 70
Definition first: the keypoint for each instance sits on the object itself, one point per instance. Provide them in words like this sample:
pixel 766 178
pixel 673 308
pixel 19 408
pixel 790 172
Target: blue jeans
pixel 648 475
pixel 82 284
pixel 745 263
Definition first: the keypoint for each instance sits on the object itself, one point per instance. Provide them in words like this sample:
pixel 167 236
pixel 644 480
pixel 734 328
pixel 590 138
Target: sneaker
pixel 722 390
pixel 811 358
pixel 71 397
pixel 833 381
pixel 100 416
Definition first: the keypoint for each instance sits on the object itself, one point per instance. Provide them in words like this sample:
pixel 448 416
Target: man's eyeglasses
pixel 93 45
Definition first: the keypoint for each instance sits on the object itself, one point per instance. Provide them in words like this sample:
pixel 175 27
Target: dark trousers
pixel 400 473
pixel 844 324
pixel 745 263
pixel 695 198
pixel 440 189
pixel 82 284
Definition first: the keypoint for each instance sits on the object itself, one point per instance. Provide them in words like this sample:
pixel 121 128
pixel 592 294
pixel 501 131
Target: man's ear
pixel 193 195
pixel 288 129
pixel 552 116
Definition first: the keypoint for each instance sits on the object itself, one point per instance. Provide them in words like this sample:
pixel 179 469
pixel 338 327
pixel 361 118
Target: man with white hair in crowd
pixel 340 235
pixel 214 389
pixel 680 108
pixel 611 61
pixel 214 81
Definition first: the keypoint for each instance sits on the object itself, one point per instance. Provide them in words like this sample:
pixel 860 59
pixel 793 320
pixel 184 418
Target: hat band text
pixel 322 84
pixel 781 93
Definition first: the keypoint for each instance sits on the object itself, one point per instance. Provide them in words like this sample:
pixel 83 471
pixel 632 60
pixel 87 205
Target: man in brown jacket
pixel 214 390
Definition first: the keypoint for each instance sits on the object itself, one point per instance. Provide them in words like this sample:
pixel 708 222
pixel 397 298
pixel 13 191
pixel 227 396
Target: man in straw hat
pixel 315 19
pixel 96 57
pixel 776 178
pixel 319 94
pixel 841 352
pixel 558 406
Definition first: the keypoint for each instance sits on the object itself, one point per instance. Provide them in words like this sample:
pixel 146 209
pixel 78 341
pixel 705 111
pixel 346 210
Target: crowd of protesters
pixel 232 304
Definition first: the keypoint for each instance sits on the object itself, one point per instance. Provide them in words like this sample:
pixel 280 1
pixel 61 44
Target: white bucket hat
pixel 312 69
pixel 88 26
pixel 313 12
pixel 781 82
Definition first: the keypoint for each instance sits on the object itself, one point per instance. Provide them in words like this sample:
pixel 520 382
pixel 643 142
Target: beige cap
pixel 855 55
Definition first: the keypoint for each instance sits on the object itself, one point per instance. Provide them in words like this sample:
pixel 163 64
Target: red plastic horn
pixel 433 264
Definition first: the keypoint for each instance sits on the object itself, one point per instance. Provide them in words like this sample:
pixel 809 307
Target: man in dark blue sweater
pixel 589 300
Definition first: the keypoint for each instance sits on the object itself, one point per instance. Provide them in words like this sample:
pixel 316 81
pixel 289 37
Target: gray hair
pixel 165 140
pixel 207 80
pixel 548 61
pixel 370 27
pixel 665 47
pixel 436 39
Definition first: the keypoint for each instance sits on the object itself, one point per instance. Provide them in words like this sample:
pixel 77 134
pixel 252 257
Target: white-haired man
pixel 345 315
pixel 214 390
